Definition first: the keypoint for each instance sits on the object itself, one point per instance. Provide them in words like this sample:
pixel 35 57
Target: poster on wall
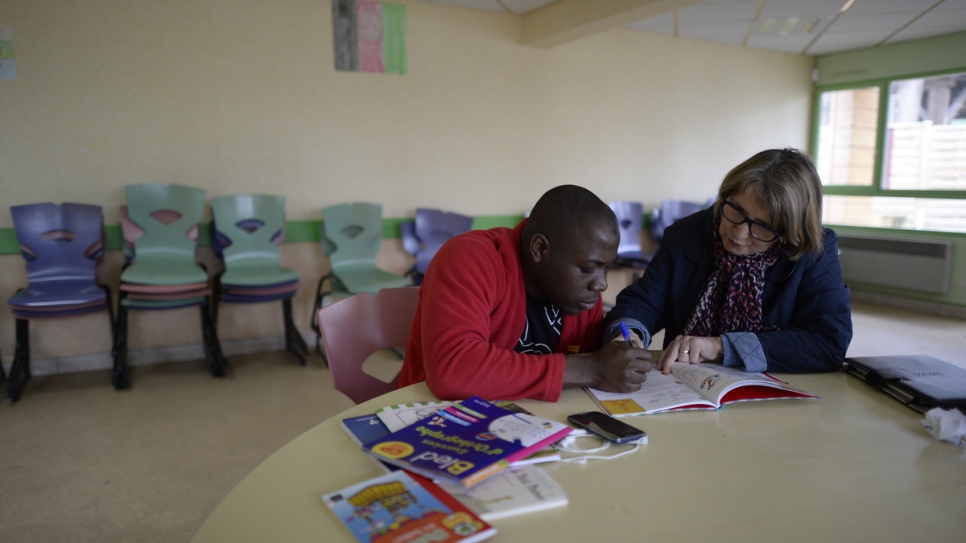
pixel 369 36
pixel 6 53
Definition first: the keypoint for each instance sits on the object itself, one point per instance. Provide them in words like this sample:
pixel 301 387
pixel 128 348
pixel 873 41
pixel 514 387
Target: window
pixel 893 154
pixel 847 136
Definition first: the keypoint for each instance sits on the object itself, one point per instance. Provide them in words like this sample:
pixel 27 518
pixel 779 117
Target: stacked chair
pixel 163 222
pixel 669 212
pixel 630 220
pixel 62 245
pixel 352 237
pixel 247 231
pixel 424 236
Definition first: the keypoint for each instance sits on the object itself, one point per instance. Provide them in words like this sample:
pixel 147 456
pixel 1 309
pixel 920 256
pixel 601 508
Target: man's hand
pixel 616 367
pixel 690 349
pixel 635 341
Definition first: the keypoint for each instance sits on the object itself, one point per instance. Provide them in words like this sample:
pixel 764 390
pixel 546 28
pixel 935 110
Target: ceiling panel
pixel 781 24
pixel 524 6
pixel 718 13
pixel 728 32
pixel 663 24
pixel 485 5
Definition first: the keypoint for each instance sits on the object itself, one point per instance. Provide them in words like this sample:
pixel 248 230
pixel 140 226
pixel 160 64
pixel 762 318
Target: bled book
pixel 397 417
pixel 517 490
pixel 467 441
pixel 399 507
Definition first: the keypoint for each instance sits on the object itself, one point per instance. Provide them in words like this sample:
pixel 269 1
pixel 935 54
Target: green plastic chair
pixel 351 238
pixel 164 256
pixel 247 231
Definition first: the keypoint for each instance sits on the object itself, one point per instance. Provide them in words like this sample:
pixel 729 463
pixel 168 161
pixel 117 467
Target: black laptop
pixel 920 381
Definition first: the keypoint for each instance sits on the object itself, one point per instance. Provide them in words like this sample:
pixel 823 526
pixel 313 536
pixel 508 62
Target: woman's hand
pixel 690 349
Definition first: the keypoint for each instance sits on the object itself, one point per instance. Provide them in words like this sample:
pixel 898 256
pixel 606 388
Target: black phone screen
pixel 606 426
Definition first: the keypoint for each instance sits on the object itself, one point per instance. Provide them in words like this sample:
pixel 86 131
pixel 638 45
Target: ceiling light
pixel 767 26
pixel 809 26
pixel 789 25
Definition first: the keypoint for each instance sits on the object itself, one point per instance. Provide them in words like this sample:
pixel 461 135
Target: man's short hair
pixel 562 211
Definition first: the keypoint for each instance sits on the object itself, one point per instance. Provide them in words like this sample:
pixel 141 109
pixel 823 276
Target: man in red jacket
pixel 516 313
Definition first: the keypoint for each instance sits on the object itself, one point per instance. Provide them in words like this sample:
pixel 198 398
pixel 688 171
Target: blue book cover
pixel 467 441
pixel 364 428
pixel 398 507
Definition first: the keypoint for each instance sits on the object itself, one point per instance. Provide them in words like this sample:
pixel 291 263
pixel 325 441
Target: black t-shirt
pixel 542 332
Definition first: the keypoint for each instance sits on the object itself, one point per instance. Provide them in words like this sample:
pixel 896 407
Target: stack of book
pixel 475 457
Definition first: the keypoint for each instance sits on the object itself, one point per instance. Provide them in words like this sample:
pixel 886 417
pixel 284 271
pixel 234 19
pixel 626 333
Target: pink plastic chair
pixel 354 328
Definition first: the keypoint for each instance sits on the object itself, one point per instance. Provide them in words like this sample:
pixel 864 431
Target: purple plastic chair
pixel 630 220
pixel 433 229
pixel 62 245
pixel 424 236
pixel 669 212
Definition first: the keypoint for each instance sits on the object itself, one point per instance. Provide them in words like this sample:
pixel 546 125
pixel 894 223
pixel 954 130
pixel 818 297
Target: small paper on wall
pixel 6 53
pixel 369 36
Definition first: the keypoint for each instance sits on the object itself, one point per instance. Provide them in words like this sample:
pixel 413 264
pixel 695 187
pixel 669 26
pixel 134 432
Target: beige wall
pixel 241 96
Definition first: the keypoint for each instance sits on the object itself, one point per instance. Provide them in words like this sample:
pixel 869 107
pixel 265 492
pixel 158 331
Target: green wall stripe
pixel 8 242
pixel 507 221
pixel 295 231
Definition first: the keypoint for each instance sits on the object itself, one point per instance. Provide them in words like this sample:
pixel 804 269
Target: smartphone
pixel 606 426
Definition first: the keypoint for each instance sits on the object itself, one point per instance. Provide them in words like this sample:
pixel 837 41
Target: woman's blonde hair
pixel 785 182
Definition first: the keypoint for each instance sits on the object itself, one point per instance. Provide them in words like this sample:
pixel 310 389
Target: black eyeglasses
pixel 758 231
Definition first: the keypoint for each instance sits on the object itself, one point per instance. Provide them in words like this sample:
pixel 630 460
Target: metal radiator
pixel 914 264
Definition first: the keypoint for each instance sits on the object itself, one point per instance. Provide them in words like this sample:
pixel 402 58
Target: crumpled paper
pixel 946 425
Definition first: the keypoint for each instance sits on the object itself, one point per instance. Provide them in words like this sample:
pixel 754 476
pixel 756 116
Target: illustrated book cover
pixel 399 507
pixel 467 442
pixel 397 417
pixel 696 387
pixel 519 489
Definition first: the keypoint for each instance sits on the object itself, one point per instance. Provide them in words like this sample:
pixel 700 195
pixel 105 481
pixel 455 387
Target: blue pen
pixel 626 333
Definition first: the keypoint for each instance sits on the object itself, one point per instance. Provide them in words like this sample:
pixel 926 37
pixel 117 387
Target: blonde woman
pixel 753 282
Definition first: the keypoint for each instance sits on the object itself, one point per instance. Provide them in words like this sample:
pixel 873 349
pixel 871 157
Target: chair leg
pixel 294 343
pixel 319 296
pixel 20 369
pixel 119 376
pixel 112 320
pixel 216 359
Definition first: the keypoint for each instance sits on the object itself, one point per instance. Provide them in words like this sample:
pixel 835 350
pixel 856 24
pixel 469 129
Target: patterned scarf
pixel 731 301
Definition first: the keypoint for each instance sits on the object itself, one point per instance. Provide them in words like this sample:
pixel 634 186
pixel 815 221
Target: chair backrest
pixel 247 229
pixel 433 229
pixel 407 231
pixel 630 219
pixel 169 216
pixel 59 242
pixel 356 327
pixel 352 233
pixel 411 244
pixel 669 213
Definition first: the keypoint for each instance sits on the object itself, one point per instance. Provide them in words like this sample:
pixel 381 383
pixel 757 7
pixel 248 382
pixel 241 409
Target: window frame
pixel 876 189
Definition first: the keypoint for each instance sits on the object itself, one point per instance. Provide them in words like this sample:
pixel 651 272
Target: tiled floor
pixel 80 462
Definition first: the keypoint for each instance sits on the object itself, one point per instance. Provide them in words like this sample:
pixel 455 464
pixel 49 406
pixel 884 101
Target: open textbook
pixel 696 386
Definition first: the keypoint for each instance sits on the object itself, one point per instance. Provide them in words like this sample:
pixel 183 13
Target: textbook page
pixel 659 393
pixel 715 382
